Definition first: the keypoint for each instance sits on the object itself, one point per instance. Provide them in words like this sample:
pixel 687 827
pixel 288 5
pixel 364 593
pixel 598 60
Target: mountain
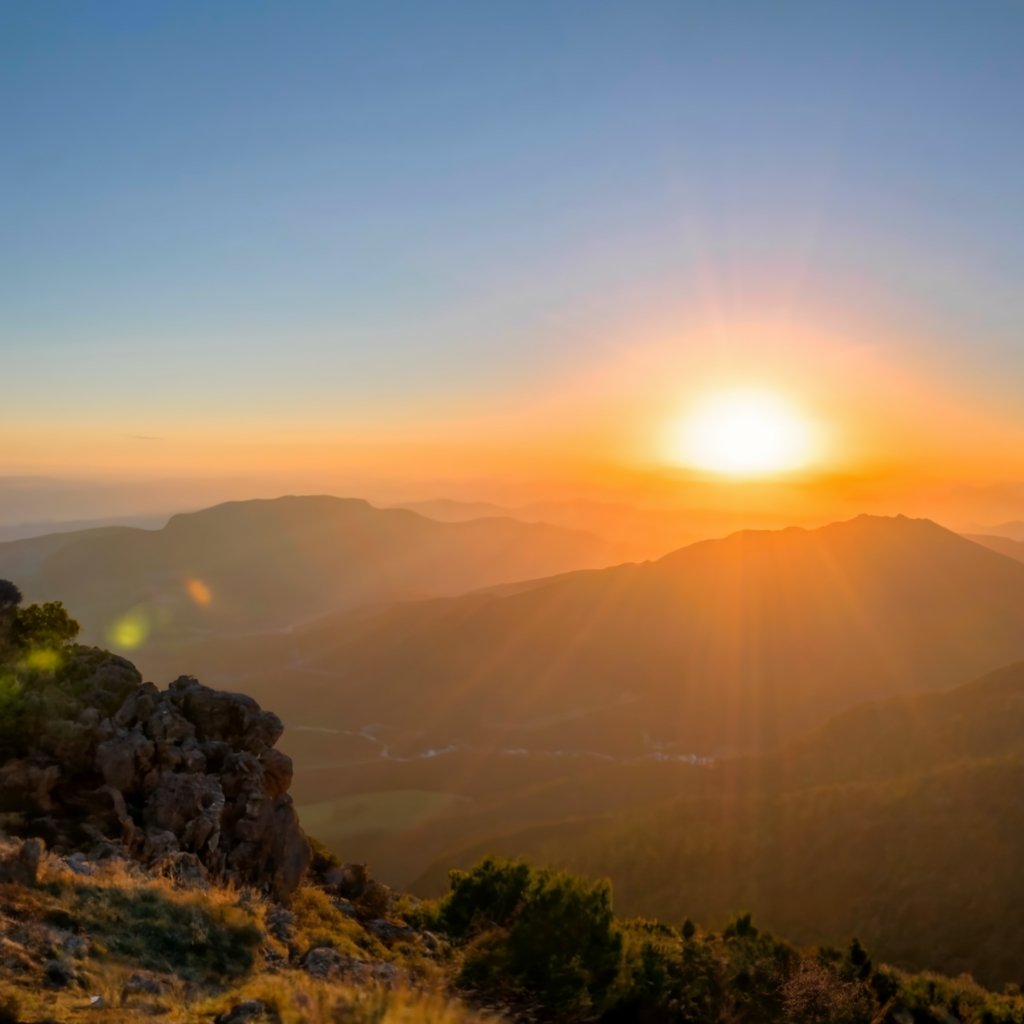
pixel 724 646
pixel 912 733
pixel 1004 545
pixel 175 883
pixel 1013 530
pixel 638 532
pixel 22 531
pixel 261 565
pixel 422 729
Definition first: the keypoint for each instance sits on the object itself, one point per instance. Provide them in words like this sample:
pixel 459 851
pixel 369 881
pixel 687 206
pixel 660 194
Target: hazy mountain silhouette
pixel 22 531
pixel 270 564
pixel 1014 530
pixel 639 532
pixel 723 646
pixel 1004 545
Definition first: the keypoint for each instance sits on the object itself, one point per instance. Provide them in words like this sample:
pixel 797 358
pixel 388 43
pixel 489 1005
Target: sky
pixel 456 241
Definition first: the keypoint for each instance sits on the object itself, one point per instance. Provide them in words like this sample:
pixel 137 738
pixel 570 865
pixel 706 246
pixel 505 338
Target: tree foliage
pixel 43 625
pixel 549 940
pixel 547 935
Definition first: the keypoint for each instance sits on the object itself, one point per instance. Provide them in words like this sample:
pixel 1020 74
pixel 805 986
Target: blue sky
pixel 379 210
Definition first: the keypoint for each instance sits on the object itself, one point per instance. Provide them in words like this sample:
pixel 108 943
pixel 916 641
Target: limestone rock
pixel 225 716
pixel 187 778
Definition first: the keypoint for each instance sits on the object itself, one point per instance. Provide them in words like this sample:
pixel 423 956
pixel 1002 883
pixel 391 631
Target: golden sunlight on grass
pixel 743 433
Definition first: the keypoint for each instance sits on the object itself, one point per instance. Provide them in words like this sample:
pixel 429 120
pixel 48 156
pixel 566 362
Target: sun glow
pixel 743 433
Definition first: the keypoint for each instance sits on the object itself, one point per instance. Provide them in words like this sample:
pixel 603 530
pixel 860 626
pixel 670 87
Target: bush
pixel 815 995
pixel 548 935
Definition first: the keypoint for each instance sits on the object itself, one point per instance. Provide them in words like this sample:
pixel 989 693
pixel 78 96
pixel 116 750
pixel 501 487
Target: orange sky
pixel 333 259
pixel 602 424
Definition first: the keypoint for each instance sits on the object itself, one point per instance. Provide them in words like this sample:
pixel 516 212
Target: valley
pixel 756 712
pixel 427 733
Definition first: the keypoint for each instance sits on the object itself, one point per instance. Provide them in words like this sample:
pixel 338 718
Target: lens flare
pixel 42 659
pixel 130 631
pixel 199 592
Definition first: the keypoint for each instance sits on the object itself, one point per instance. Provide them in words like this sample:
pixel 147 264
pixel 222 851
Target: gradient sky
pixel 316 235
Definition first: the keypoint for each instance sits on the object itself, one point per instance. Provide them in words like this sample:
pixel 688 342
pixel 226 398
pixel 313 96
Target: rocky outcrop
pixel 185 779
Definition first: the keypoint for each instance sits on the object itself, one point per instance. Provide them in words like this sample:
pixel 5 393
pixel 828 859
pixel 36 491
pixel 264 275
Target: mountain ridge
pixel 782 622
pixel 268 563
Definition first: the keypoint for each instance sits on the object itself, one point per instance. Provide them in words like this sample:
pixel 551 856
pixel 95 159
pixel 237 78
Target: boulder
pixel 28 784
pixel 185 870
pixel 188 771
pixel 249 1012
pixel 144 983
pixel 225 716
pixel 124 760
pixel 277 772
pixel 325 962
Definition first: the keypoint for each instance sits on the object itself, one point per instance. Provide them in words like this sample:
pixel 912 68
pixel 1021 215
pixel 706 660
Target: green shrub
pixel 548 935
pixel 43 626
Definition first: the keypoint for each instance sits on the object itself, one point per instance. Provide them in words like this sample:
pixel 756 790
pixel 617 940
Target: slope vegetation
pixel 900 820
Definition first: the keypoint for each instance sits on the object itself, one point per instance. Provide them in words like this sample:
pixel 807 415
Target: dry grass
pixel 202 951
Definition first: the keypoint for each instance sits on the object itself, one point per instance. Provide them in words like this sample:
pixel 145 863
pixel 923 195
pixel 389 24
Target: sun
pixel 743 433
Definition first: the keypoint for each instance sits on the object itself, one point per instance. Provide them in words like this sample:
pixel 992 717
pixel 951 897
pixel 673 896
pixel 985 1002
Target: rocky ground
pixel 109 940
pixel 185 778
pixel 152 865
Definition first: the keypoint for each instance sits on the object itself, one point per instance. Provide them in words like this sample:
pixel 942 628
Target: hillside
pixel 900 820
pixel 107 941
pixel 264 565
pixel 424 730
pixel 723 646
pixel 176 883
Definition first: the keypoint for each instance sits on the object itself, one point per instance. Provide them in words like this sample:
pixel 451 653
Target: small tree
pixel 548 934
pixel 43 625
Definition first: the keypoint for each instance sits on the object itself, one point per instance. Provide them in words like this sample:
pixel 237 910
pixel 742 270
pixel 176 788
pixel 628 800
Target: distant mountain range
pixel 721 647
pixel 263 565
pixel 640 533
pixel 22 531
pixel 1014 530
pixel 765 722
pixel 1004 545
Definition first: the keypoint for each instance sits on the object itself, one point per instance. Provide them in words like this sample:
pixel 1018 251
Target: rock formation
pixel 185 779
